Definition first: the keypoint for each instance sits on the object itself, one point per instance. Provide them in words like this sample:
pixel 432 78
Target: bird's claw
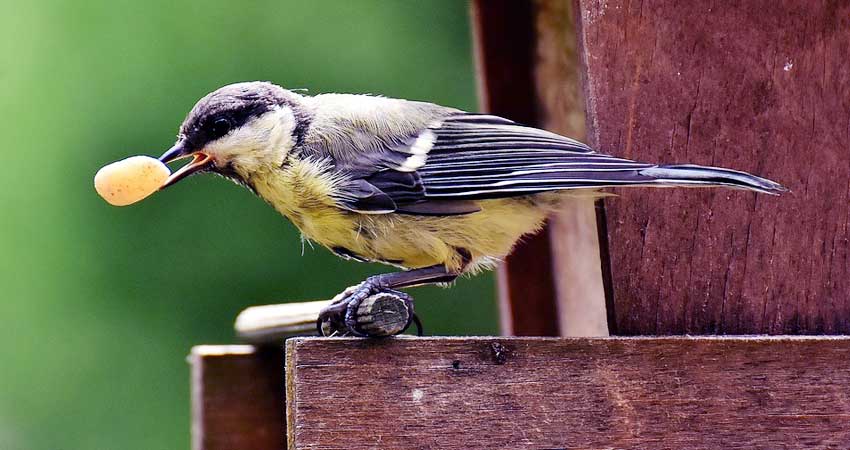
pixel 340 317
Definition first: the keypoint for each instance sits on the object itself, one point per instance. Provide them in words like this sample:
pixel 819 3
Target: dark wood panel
pixel 237 398
pixel 760 86
pixel 537 393
pixel 504 52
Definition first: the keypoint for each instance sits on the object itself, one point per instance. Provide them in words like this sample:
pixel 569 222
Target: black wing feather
pixel 478 156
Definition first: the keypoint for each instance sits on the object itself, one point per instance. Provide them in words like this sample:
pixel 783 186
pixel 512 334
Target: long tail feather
pixel 693 175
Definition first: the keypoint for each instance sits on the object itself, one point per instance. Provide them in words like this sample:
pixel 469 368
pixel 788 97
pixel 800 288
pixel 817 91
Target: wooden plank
pixel 538 393
pixel 504 63
pixel 759 86
pixel 237 398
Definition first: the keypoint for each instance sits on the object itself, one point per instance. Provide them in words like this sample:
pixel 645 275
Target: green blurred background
pixel 100 305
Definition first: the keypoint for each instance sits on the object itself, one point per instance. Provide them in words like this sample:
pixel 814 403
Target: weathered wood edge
pixel 289 362
pixel 293 345
pixel 195 358
pixel 672 338
pixel 311 349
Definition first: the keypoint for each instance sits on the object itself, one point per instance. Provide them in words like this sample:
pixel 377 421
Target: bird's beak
pixel 201 161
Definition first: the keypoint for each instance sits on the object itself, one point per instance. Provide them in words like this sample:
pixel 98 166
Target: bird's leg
pixel 341 313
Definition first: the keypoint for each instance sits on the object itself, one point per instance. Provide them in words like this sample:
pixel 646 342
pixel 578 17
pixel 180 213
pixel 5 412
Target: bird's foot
pixel 340 317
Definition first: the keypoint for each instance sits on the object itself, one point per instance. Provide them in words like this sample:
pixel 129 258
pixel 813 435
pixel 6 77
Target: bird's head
pixel 238 130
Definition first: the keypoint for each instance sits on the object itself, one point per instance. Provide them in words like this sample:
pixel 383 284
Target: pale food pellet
pixel 130 180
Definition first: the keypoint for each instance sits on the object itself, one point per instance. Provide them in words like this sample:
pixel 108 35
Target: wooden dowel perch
pixel 379 315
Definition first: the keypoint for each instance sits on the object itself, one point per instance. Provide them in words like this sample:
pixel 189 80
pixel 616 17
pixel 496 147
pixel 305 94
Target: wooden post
pixel 237 398
pixel 552 282
pixel 574 231
pixel 760 86
pixel 504 61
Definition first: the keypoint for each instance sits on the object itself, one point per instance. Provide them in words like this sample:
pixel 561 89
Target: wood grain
pixel 760 86
pixel 538 393
pixel 237 398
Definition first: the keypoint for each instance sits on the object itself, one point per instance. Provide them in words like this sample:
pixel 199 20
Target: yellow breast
pixel 303 192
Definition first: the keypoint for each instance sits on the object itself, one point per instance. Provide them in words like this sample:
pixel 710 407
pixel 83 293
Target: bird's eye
pixel 220 127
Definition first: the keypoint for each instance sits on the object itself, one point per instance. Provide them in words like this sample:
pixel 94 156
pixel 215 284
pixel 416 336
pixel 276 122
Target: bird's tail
pixel 688 175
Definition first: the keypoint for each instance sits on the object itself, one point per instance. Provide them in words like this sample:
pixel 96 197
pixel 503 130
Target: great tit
pixel 436 191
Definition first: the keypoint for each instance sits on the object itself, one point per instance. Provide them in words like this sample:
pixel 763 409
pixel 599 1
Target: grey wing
pixel 464 157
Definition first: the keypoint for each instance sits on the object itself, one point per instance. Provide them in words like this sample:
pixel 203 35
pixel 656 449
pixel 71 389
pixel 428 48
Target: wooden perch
pixel 380 315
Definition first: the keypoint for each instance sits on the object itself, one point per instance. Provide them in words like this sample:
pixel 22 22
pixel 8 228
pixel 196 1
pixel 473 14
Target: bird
pixel 433 190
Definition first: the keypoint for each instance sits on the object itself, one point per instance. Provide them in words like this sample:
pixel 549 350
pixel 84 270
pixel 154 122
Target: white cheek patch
pixel 265 140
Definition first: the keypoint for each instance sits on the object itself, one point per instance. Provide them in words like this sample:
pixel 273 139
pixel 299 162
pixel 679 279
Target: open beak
pixel 200 162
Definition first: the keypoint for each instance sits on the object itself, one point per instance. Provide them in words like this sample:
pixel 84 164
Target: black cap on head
pixel 229 108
